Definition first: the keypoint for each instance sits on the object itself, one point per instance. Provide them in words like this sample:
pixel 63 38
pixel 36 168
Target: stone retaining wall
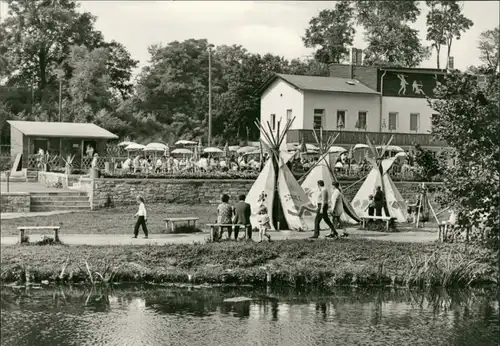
pixel 52 179
pixel 117 192
pixel 15 202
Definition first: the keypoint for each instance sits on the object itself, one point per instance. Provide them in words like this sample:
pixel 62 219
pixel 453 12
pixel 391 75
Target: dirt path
pixel 162 239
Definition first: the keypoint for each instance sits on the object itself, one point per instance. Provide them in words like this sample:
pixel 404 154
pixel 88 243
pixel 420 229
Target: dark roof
pixel 315 83
pixel 53 129
pixel 413 70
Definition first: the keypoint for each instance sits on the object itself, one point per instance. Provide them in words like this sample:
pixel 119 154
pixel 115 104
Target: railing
pixel 355 137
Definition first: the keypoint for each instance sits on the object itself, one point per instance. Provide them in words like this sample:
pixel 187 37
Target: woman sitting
pixel 225 213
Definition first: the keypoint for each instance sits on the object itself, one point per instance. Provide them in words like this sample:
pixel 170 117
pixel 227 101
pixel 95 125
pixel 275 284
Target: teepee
pixel 378 176
pixel 322 170
pixel 277 188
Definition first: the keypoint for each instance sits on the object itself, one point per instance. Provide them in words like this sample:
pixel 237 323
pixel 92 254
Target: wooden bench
pixel 23 229
pixel 388 220
pixel 171 221
pixel 215 227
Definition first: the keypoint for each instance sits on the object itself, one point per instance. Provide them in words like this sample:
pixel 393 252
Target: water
pixel 201 316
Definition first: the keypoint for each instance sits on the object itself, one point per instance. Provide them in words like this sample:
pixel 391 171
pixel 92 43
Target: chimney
pixel 451 64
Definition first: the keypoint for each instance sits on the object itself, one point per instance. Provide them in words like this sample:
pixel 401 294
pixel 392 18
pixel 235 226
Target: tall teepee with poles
pixel 395 205
pixel 276 187
pixel 322 170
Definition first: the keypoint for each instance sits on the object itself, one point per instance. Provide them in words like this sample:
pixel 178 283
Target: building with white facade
pixel 355 101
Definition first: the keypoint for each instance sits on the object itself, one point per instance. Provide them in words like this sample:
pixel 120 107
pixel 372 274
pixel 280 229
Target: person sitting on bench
pixel 379 201
pixel 225 213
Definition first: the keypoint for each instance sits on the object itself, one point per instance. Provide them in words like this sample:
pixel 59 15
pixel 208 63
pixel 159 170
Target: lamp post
pixel 209 49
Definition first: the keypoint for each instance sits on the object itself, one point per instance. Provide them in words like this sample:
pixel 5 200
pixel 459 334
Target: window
pixel 319 114
pixel 414 121
pixel 288 114
pixel 361 124
pixel 393 121
pixel 273 121
pixel 340 119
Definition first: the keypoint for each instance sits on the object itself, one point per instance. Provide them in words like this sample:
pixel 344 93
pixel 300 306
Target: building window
pixel 288 115
pixel 319 115
pixel 393 121
pixel 361 123
pixel 273 121
pixel 414 121
pixel 340 119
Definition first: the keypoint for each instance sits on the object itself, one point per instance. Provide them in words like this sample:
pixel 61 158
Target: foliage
pixel 445 22
pixel 430 165
pixel 290 263
pixel 468 121
pixel 391 41
pixel 331 32
pixel 489 47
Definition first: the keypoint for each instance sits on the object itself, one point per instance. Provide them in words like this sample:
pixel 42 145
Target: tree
pixel 391 41
pixel 445 22
pixel 467 119
pixel 331 33
pixel 119 68
pixel 489 47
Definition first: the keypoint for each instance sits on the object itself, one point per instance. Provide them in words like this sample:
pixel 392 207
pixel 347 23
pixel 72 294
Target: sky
pixel 260 26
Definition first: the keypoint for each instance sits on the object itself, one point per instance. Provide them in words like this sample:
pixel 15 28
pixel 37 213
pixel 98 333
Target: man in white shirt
pixel 337 207
pixel 322 213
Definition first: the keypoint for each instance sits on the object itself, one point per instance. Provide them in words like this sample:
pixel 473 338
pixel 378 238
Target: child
pixel 264 223
pixel 142 217
pixel 371 205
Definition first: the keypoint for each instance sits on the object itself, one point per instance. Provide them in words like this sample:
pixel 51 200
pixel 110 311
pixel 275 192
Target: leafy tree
pixel 445 22
pixel 119 66
pixel 467 119
pixel 429 164
pixel 391 41
pixel 489 47
pixel 331 32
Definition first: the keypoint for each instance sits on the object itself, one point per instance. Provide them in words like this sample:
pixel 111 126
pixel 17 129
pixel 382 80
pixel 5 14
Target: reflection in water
pixel 177 316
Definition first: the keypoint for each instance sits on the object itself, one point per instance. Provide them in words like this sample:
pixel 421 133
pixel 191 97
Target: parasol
pixel 155 147
pixel 336 149
pixel 360 146
pixel 185 142
pixel 212 150
pixel 182 151
pixel 390 148
pixel 125 143
pixel 246 149
pixel 234 148
pixel 134 147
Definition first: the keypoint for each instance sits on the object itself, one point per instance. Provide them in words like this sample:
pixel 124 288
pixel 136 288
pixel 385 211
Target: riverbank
pixel 295 263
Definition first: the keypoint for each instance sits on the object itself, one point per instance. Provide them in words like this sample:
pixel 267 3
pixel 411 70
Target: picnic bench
pixel 171 221
pixel 388 220
pixel 22 230
pixel 215 227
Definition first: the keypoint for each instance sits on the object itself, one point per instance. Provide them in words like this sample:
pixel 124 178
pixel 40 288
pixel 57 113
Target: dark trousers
pixel 141 221
pixel 371 210
pixel 322 214
pixel 248 229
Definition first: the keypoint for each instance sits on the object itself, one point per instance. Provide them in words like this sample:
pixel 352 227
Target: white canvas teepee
pixel 322 171
pixel 279 191
pixel 395 203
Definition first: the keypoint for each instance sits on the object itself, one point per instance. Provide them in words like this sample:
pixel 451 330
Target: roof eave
pixel 346 92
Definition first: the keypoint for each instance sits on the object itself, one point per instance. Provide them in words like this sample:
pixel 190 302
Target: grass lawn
pixel 120 220
pixel 293 262
pixel 113 221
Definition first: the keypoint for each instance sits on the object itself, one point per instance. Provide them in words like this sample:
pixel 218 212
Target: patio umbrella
pixel 185 142
pixel 182 151
pixel 212 150
pixel 234 147
pixel 134 147
pixel 336 149
pixel 360 146
pixel 390 148
pixel 125 143
pixel 155 147
pixel 246 149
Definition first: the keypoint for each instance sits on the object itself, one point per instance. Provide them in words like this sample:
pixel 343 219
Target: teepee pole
pixel 419 204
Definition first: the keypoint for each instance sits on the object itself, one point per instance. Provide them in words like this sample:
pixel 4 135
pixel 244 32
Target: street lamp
pixel 209 49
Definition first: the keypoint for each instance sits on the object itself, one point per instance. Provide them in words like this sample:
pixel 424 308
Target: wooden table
pixel 171 221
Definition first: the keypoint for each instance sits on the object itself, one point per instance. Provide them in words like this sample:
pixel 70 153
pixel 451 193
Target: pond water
pixel 204 316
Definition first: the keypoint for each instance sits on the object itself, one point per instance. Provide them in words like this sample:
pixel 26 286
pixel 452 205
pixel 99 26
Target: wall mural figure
pixel 417 88
pixel 403 83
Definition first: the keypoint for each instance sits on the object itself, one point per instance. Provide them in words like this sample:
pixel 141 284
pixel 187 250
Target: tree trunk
pixel 42 86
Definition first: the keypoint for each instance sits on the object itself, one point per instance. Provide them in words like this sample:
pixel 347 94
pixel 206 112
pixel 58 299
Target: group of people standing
pixel 324 202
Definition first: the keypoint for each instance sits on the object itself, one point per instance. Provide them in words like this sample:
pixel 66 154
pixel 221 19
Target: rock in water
pixel 237 300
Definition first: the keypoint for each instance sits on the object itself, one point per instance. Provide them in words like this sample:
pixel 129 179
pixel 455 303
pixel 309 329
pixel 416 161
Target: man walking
pixel 322 212
pixel 337 207
pixel 242 213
